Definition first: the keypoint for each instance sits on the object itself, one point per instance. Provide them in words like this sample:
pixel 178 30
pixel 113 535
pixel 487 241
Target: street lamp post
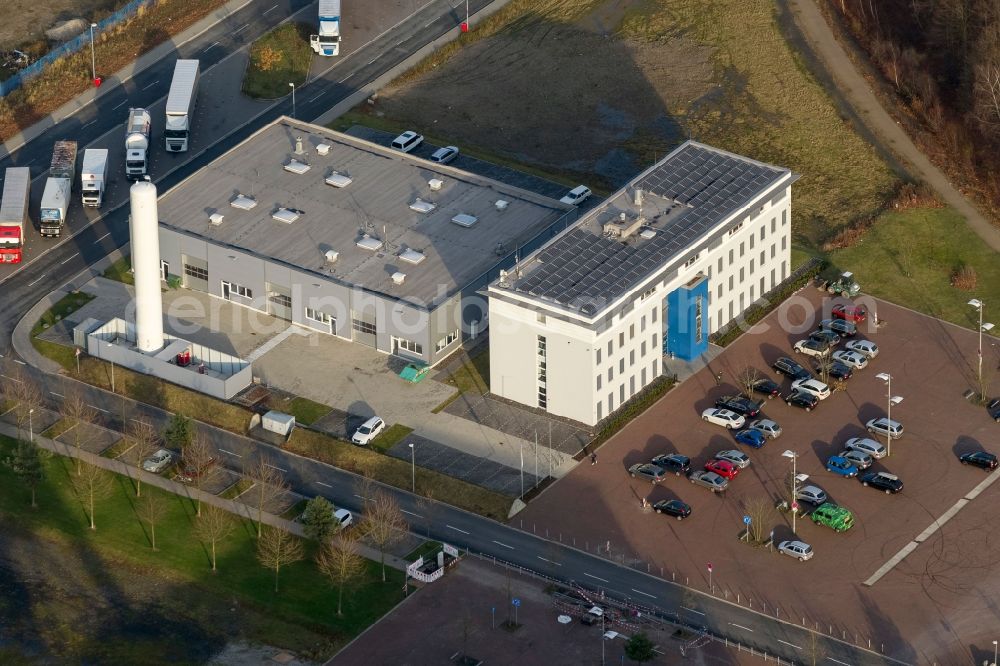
pixel 109 345
pixel 31 429
pixel 413 467
pixel 994 653
pixel 794 504
pixel 93 57
pixel 890 401
pixel 979 305
pixel 293 99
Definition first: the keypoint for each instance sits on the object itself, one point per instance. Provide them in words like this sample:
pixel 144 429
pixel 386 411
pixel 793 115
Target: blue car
pixel 751 437
pixel 841 466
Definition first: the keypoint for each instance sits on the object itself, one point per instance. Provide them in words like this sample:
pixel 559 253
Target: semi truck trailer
pixel 14 213
pixel 180 106
pixel 58 189
pixel 327 42
pixel 136 143
pixel 94 176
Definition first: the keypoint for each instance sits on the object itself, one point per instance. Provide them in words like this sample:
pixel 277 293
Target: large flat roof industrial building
pixel 350 238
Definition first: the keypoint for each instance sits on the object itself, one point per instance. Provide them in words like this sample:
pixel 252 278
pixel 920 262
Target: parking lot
pixel 934 604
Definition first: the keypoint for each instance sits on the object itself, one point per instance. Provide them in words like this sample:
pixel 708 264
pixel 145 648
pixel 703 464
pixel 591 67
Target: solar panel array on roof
pixel 583 266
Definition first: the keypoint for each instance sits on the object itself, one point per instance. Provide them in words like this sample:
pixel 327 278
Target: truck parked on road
pixel 58 188
pixel 327 42
pixel 136 143
pixel 14 213
pixel 94 176
pixel 180 106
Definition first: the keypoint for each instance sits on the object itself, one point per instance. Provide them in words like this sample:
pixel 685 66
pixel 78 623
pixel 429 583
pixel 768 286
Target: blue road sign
pixel 746 520
pixel 516 602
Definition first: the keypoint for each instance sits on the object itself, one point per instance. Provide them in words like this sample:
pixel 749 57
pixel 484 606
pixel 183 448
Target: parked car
pixel 867 446
pixel 851 313
pixel 790 368
pixel 841 327
pixel 158 462
pixel 189 471
pixel 825 336
pixel 841 466
pixel 800 550
pixel 811 347
pixel 883 426
pixel 834 369
pixel 836 517
pixel 813 387
pixel 368 431
pixel 673 462
pixel 770 428
pixel 811 494
pixel 724 417
pixel 407 141
pixel 806 401
pixel 674 507
pixel 739 404
pixel 737 458
pixel 343 517
pixel 860 459
pixel 767 387
pixel 444 155
pixel 647 472
pixel 709 480
pixel 852 358
pixel 890 483
pixel 866 347
pixel 576 196
pixel 980 459
pixel 723 468
pixel 751 437
pixel 993 408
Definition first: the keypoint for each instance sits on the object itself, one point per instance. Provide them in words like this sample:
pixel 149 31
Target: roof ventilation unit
pixel 465 220
pixel 638 196
pixel 435 184
pixel 298 145
pixel 397 277
pixel 501 204
pixel 337 179
pixel 412 256
pixel 422 206
pixel 243 202
pixel 646 234
pixel 331 256
pixel 215 219
pixel 622 227
pixel 369 243
pixel 284 215
pixel 296 167
pixel 323 148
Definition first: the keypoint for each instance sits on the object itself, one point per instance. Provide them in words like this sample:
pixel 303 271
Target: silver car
pixel 884 426
pixel 854 359
pixel 797 549
pixel 709 480
pixel 865 445
pixel 158 462
pixel 812 494
pixel 445 155
pixel 738 458
pixel 770 428
pixel 859 459
pixel 866 347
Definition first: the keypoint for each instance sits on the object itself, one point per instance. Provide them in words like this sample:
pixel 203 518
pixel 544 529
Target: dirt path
pixel 854 91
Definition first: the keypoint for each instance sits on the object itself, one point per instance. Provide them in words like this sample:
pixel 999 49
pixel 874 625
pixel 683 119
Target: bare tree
pixel 268 485
pixel 151 509
pixel 761 513
pixel 144 443
pixel 383 523
pixel 212 526
pixel 24 397
pixel 91 484
pixel 814 651
pixel 277 548
pixel 197 459
pixel 747 377
pixel 340 561
pixel 78 415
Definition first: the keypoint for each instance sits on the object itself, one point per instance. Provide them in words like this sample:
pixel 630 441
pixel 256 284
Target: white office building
pixel 582 324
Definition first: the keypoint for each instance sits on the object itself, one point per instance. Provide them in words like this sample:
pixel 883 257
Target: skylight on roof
pixel 422 206
pixel 285 215
pixel 338 180
pixel 369 243
pixel 412 256
pixel 465 220
pixel 296 167
pixel 243 202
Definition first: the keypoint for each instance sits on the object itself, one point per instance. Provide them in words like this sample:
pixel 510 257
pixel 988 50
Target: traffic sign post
pixel 516 603
pixel 746 523
pixel 710 586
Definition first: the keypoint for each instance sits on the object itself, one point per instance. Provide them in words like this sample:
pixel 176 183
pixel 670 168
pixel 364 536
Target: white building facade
pixel 582 325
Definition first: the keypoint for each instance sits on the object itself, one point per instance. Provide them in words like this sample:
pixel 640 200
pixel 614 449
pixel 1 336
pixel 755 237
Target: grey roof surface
pixel 384 184
pixel 685 196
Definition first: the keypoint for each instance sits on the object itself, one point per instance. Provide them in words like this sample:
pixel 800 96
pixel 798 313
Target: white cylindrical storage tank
pixel 145 236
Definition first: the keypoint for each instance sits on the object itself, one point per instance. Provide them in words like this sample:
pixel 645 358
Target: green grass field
pixel 304 410
pixel 120 271
pixel 280 57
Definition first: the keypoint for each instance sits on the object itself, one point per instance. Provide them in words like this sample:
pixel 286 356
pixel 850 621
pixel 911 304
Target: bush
pixel 630 410
pixel 964 278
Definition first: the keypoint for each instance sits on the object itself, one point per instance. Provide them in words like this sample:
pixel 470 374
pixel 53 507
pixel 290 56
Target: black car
pixel 825 336
pixel 806 401
pixel 994 409
pixel 675 508
pixel 768 387
pixel 844 329
pixel 835 369
pixel 791 369
pixel 673 462
pixel 890 483
pixel 739 404
pixel 980 459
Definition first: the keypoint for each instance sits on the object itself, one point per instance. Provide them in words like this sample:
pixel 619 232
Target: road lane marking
pixel 120 105
pixel 594 577
pixel 410 513
pixel 837 661
pixel 372 60
pixel 13 379
pixel 239 30
pixel 39 278
pixel 68 259
pixel 210 46
pixel 345 78
pixel 17 361
pixel 456 529
pixel 230 453
pixel 325 485
pixel 58 395
pixel 503 544
pixel 277 468
pixel 151 85
pixel 740 626
pixel 99 409
pixel 691 610
pixel 789 644
pixel 89 124
pixel 549 561
pixel 271 9
pixel 431 22
pixel 97 241
pixel 644 593
pixel 318 96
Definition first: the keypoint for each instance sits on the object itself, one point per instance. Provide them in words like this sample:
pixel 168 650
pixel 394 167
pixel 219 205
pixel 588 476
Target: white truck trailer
pixel 14 213
pixel 58 188
pixel 327 42
pixel 180 106
pixel 94 176
pixel 136 143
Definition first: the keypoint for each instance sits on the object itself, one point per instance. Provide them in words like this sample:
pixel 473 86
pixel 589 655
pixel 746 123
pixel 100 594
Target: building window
pixel 653 341
pixel 621 365
pixel 599 382
pixel 539 317
pixel 784 217
pixel 697 319
pixel 731 257
pixel 631 357
pixel 631 331
pixel 773 250
pixel 741 274
pixel 543 399
pixel 409 345
pixel 784 242
pixel 720 264
pixel 784 271
pixel 751 241
pixel 611 344
pixel 690 262
pixel 447 340
pixel 323 318
pixel 196 272
pixel 734 230
pixel 774 224
pixel 642 324
pixel 363 327
pixel 611 402
pixel 772 278
pixel 742 249
pixel 643 376
pixel 763 257
pixel 742 302
pixel 631 386
pixel 730 283
pixel 649 292
pixel 763 289
pixel 240 290
pixel 621 394
pixel 718 290
pixel 654 314
pixel 600 410
pixel 611 373
pixel 642 349
pixel 719 319
pixel 752 288
pixel 281 299
pixel 621 339
pixel 598 361
pixel 762 233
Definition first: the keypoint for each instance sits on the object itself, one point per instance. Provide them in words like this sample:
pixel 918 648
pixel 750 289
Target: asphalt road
pixel 91 238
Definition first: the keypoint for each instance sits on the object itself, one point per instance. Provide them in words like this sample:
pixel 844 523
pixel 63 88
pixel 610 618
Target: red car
pixel 723 468
pixel 852 313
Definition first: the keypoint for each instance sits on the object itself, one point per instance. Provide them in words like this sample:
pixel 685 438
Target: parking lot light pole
pixel 93 57
pixel 413 467
pixel 293 99
pixel 994 653
pixel 891 400
pixel 794 505
pixel 31 432
pixel 979 305
pixel 109 345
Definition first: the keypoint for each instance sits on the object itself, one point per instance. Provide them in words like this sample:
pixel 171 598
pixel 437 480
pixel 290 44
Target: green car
pixel 833 516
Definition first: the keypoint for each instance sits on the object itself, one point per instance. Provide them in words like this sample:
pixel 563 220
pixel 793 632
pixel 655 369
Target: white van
pixel 407 141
